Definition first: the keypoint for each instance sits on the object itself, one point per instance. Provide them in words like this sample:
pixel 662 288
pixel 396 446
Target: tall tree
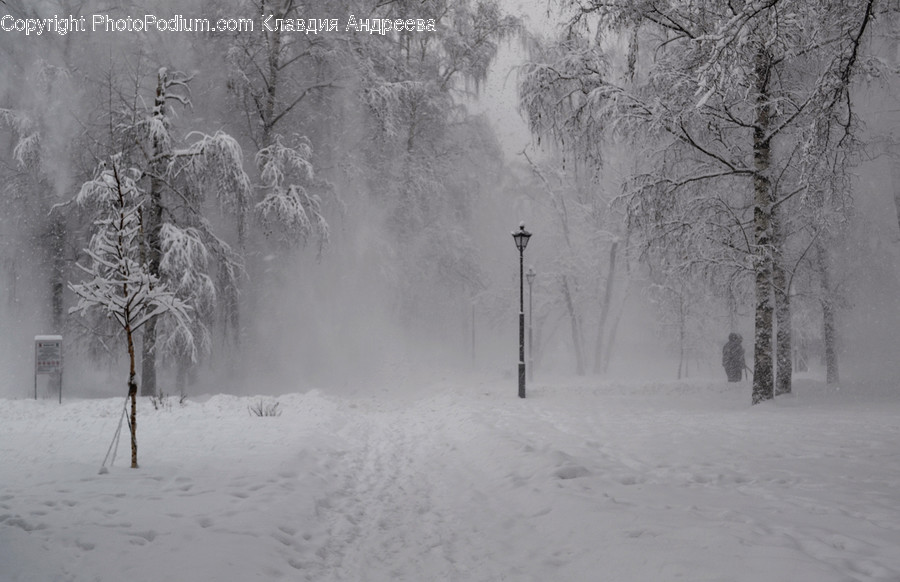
pixel 40 154
pixel 273 74
pixel 585 249
pixel 753 97
pixel 181 178
pixel 423 149
pixel 284 86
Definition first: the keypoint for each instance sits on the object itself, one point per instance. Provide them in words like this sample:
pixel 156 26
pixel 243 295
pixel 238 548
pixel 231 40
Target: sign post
pixel 48 359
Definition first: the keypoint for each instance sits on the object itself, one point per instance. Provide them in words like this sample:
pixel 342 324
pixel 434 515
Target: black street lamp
pixel 521 237
pixel 530 275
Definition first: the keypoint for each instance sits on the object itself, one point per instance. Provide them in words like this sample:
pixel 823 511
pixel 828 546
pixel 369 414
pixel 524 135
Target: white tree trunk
pixel 605 306
pixel 829 330
pixel 763 388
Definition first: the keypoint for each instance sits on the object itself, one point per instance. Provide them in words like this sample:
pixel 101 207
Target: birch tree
pixel 119 283
pixel 285 94
pixel 275 77
pixel 753 99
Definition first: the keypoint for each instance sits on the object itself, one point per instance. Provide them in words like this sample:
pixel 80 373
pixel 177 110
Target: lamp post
pixel 521 238
pixel 530 275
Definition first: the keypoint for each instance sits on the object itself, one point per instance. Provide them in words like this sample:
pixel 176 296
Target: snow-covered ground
pixel 460 480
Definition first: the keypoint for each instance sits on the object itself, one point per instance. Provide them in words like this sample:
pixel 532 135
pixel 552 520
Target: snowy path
pixel 461 481
pixel 385 488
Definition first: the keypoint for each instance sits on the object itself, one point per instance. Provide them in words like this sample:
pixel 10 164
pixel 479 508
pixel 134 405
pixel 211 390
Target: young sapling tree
pixel 119 282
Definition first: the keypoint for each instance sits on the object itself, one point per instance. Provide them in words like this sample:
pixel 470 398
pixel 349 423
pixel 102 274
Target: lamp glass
pixel 521 237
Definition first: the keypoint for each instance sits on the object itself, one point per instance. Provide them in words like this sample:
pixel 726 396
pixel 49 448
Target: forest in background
pixel 333 208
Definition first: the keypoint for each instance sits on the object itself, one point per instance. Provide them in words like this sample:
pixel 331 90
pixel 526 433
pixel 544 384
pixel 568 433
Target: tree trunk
pixel 828 324
pixel 154 256
pixel 154 220
pixel 682 324
pixel 763 388
pixel 576 332
pixel 604 309
pixel 132 395
pixel 58 282
pixel 782 311
pixel 895 183
pixel 273 60
pixel 607 354
pixel 148 359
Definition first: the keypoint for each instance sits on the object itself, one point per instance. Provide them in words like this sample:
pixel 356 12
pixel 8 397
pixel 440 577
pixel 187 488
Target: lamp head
pixel 521 237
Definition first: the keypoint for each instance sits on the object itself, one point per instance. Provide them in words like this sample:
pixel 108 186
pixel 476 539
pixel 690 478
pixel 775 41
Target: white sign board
pixel 48 359
pixel 47 354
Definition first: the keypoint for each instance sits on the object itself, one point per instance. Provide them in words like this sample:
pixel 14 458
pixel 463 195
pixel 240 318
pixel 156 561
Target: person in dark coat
pixel 733 357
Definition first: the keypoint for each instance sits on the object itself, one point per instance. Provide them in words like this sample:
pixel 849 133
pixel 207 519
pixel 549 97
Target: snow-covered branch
pixel 289 206
pixel 119 282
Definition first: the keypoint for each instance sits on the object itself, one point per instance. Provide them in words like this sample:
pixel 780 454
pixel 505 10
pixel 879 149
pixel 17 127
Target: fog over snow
pixel 339 401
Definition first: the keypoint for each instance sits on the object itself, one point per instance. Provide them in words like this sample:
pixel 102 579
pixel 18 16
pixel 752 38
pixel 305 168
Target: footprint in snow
pixel 204 522
pixel 630 480
pixel 142 537
pixel 571 472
